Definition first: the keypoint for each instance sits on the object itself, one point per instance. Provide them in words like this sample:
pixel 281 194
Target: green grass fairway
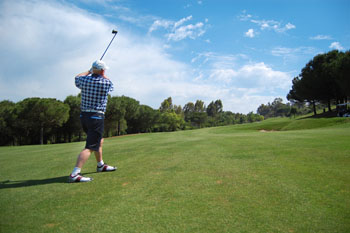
pixel 279 175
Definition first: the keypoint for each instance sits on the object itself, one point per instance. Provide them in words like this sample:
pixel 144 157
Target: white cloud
pixel 48 42
pixel 257 76
pixel 57 41
pixel 289 26
pixel 241 86
pixel 190 31
pixel 266 24
pixel 160 23
pixel 241 100
pixel 217 61
pixel 291 56
pixel 116 11
pixel 223 75
pixel 182 21
pixel 244 16
pixel 136 19
pixel 336 45
pixel 263 24
pixel 250 33
pixel 178 30
pixel 273 25
pixel 321 37
pixel 284 51
pixel 248 86
pixel 262 76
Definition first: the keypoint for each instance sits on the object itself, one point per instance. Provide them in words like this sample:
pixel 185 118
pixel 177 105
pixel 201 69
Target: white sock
pixel 100 163
pixel 75 171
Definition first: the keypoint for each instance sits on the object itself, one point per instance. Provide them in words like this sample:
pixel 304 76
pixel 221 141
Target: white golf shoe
pixel 78 178
pixel 105 168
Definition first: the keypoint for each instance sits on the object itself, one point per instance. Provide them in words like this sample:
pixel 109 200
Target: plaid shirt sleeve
pixel 111 88
pixel 77 81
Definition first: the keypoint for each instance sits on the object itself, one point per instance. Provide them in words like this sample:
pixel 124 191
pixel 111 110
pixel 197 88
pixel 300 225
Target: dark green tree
pixel 324 80
pixel 188 110
pixel 73 126
pixel 343 76
pixel 166 105
pixel 214 108
pixel 120 115
pixel 52 114
pixel 178 110
pixel 7 120
pixel 170 121
pixel 199 106
pixel 131 110
pixel 39 116
pixel 146 119
pixel 264 110
pixel 199 118
pixel 115 122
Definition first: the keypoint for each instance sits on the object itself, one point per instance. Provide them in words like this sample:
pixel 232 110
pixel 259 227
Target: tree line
pixel 324 80
pixel 322 83
pixel 275 109
pixel 279 109
pixel 48 120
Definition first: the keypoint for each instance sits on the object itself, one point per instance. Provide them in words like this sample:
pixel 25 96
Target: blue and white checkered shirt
pixel 94 92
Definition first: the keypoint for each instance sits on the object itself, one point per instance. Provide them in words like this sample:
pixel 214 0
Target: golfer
pixel 95 87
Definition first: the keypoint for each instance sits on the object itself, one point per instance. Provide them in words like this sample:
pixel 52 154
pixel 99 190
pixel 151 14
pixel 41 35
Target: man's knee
pixel 101 143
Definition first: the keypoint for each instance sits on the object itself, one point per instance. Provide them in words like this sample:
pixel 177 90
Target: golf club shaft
pixel 115 33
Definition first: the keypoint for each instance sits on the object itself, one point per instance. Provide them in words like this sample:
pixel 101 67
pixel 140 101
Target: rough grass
pixel 224 179
pixel 286 124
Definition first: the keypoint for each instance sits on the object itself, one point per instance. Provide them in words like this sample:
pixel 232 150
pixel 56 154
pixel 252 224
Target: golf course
pixel 278 175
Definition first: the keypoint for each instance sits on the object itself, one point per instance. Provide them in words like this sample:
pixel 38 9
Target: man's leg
pixel 75 175
pixel 98 154
pixel 83 157
pixel 101 166
pixel 89 127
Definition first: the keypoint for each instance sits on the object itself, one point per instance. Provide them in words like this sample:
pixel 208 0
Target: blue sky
pixel 243 52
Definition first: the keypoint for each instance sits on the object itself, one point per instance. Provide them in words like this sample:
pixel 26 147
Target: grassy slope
pixel 225 179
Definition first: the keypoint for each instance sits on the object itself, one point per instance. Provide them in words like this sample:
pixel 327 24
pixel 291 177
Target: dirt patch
pixel 266 131
pixel 50 225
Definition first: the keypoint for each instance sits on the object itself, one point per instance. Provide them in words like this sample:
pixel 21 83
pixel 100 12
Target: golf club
pixel 115 33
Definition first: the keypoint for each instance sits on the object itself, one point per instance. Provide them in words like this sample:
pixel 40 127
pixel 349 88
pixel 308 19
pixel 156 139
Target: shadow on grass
pixel 26 183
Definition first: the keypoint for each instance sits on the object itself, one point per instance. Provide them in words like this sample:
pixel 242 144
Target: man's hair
pixel 97 71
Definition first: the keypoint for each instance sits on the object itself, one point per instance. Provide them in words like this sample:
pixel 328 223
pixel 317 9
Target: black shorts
pixel 93 126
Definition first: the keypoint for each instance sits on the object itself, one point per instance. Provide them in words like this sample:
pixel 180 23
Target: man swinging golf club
pixel 95 87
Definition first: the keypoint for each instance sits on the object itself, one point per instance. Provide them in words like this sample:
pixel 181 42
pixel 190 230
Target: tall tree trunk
pixel 118 130
pixel 314 107
pixel 329 106
pixel 41 134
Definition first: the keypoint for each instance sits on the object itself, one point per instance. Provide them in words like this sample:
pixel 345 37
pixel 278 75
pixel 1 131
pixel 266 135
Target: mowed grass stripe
pixel 224 179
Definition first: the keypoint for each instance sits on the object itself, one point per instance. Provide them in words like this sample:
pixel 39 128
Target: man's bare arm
pixel 83 74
